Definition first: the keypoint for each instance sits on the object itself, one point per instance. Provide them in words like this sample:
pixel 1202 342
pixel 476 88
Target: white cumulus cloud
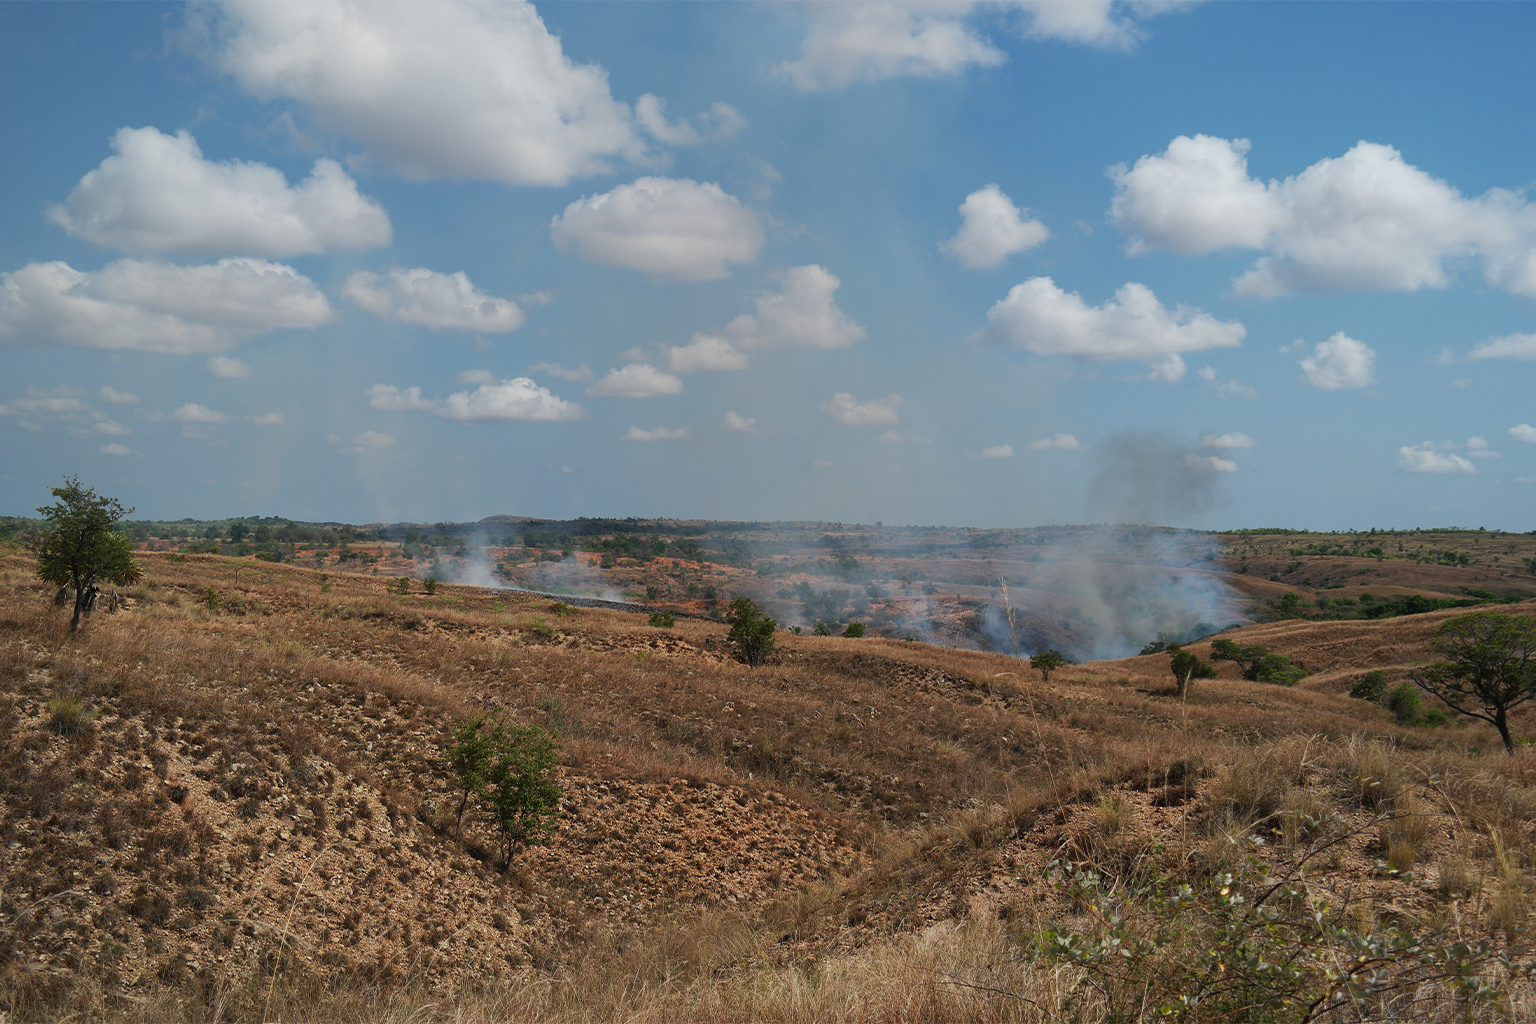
pixel 156 307
pixel 992 229
pixel 116 449
pixel 1523 432
pixel 802 314
pixel 996 451
pixel 877 412
pixel 442 90
pixel 116 397
pixel 426 298
pixel 1367 220
pixel 856 41
pixel 861 41
pixel 516 399
pixel 745 425
pixel 636 380
pixel 657 434
pixel 705 353
pixel 228 367
pixel 1430 457
pixel 1510 346
pixel 1039 317
pixel 1340 362
pixel 674 228
pixel 1064 442
pixel 158 194
pixel 720 121
pixel 1232 440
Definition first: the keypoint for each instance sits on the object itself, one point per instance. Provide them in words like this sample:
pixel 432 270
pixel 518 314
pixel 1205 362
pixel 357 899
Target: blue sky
pixel 973 264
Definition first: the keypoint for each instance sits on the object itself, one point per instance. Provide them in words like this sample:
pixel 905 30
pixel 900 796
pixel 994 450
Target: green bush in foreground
pixel 751 631
pixel 507 767
pixel 1258 944
pixel 663 620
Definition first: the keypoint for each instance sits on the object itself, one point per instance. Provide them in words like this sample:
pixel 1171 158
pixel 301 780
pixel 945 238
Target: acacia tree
pixel 82 547
pixel 1490 667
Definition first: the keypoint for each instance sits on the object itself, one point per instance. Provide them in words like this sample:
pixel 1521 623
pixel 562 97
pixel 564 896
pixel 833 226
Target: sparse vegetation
pixel 1047 662
pixel 856 834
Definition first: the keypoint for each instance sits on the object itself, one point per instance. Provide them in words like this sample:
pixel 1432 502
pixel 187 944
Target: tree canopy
pixel 82 547
pixel 1489 667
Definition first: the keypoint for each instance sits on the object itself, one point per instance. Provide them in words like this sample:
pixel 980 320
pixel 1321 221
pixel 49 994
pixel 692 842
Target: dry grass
pixel 841 834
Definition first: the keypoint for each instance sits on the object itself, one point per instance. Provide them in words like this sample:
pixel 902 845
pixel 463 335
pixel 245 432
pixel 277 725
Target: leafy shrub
pixel 541 629
pixel 403 585
pixel 431 584
pixel 822 629
pixel 1249 945
pixel 1259 664
pixel 855 630
pixel 663 620
pixel 507 767
pixel 751 631
pixel 1404 704
pixel 1372 687
pixel 212 600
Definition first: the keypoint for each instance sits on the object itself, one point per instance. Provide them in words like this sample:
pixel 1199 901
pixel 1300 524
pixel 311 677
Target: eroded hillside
pixel 258 812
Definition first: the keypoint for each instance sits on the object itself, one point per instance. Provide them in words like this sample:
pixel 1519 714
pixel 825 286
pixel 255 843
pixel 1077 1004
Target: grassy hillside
pixel 256 822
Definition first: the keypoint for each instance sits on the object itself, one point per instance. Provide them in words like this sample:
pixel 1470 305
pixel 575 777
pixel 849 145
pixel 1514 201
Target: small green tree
pixel 663 620
pixel 1186 667
pixel 82 547
pixel 751 631
pixel 403 585
pixel 508 767
pixel 1047 662
pixel 855 630
pixel 1490 667
pixel 431 584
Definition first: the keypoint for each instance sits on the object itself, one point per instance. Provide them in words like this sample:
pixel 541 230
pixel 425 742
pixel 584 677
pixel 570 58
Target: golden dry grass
pixel 255 825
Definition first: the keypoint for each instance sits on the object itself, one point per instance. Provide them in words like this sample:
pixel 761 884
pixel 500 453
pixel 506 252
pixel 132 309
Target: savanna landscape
pixel 229 796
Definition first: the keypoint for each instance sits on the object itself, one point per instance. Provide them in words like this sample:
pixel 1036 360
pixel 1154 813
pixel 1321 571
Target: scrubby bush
pixel 1404 704
pixel 1372 686
pixel 751 631
pixel 663 620
pixel 1259 664
pixel 507 767
pixel 855 630
pixel 431 584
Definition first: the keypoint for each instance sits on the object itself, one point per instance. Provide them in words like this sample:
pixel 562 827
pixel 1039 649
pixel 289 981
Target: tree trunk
pixel 74 623
pixel 1502 724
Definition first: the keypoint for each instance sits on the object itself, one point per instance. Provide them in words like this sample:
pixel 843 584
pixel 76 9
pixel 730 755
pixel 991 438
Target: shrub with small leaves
pixel 855 630
pixel 403 585
pixel 663 620
pixel 751 631
pixel 1372 686
pixel 1256 943
pixel 431 584
pixel 211 600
